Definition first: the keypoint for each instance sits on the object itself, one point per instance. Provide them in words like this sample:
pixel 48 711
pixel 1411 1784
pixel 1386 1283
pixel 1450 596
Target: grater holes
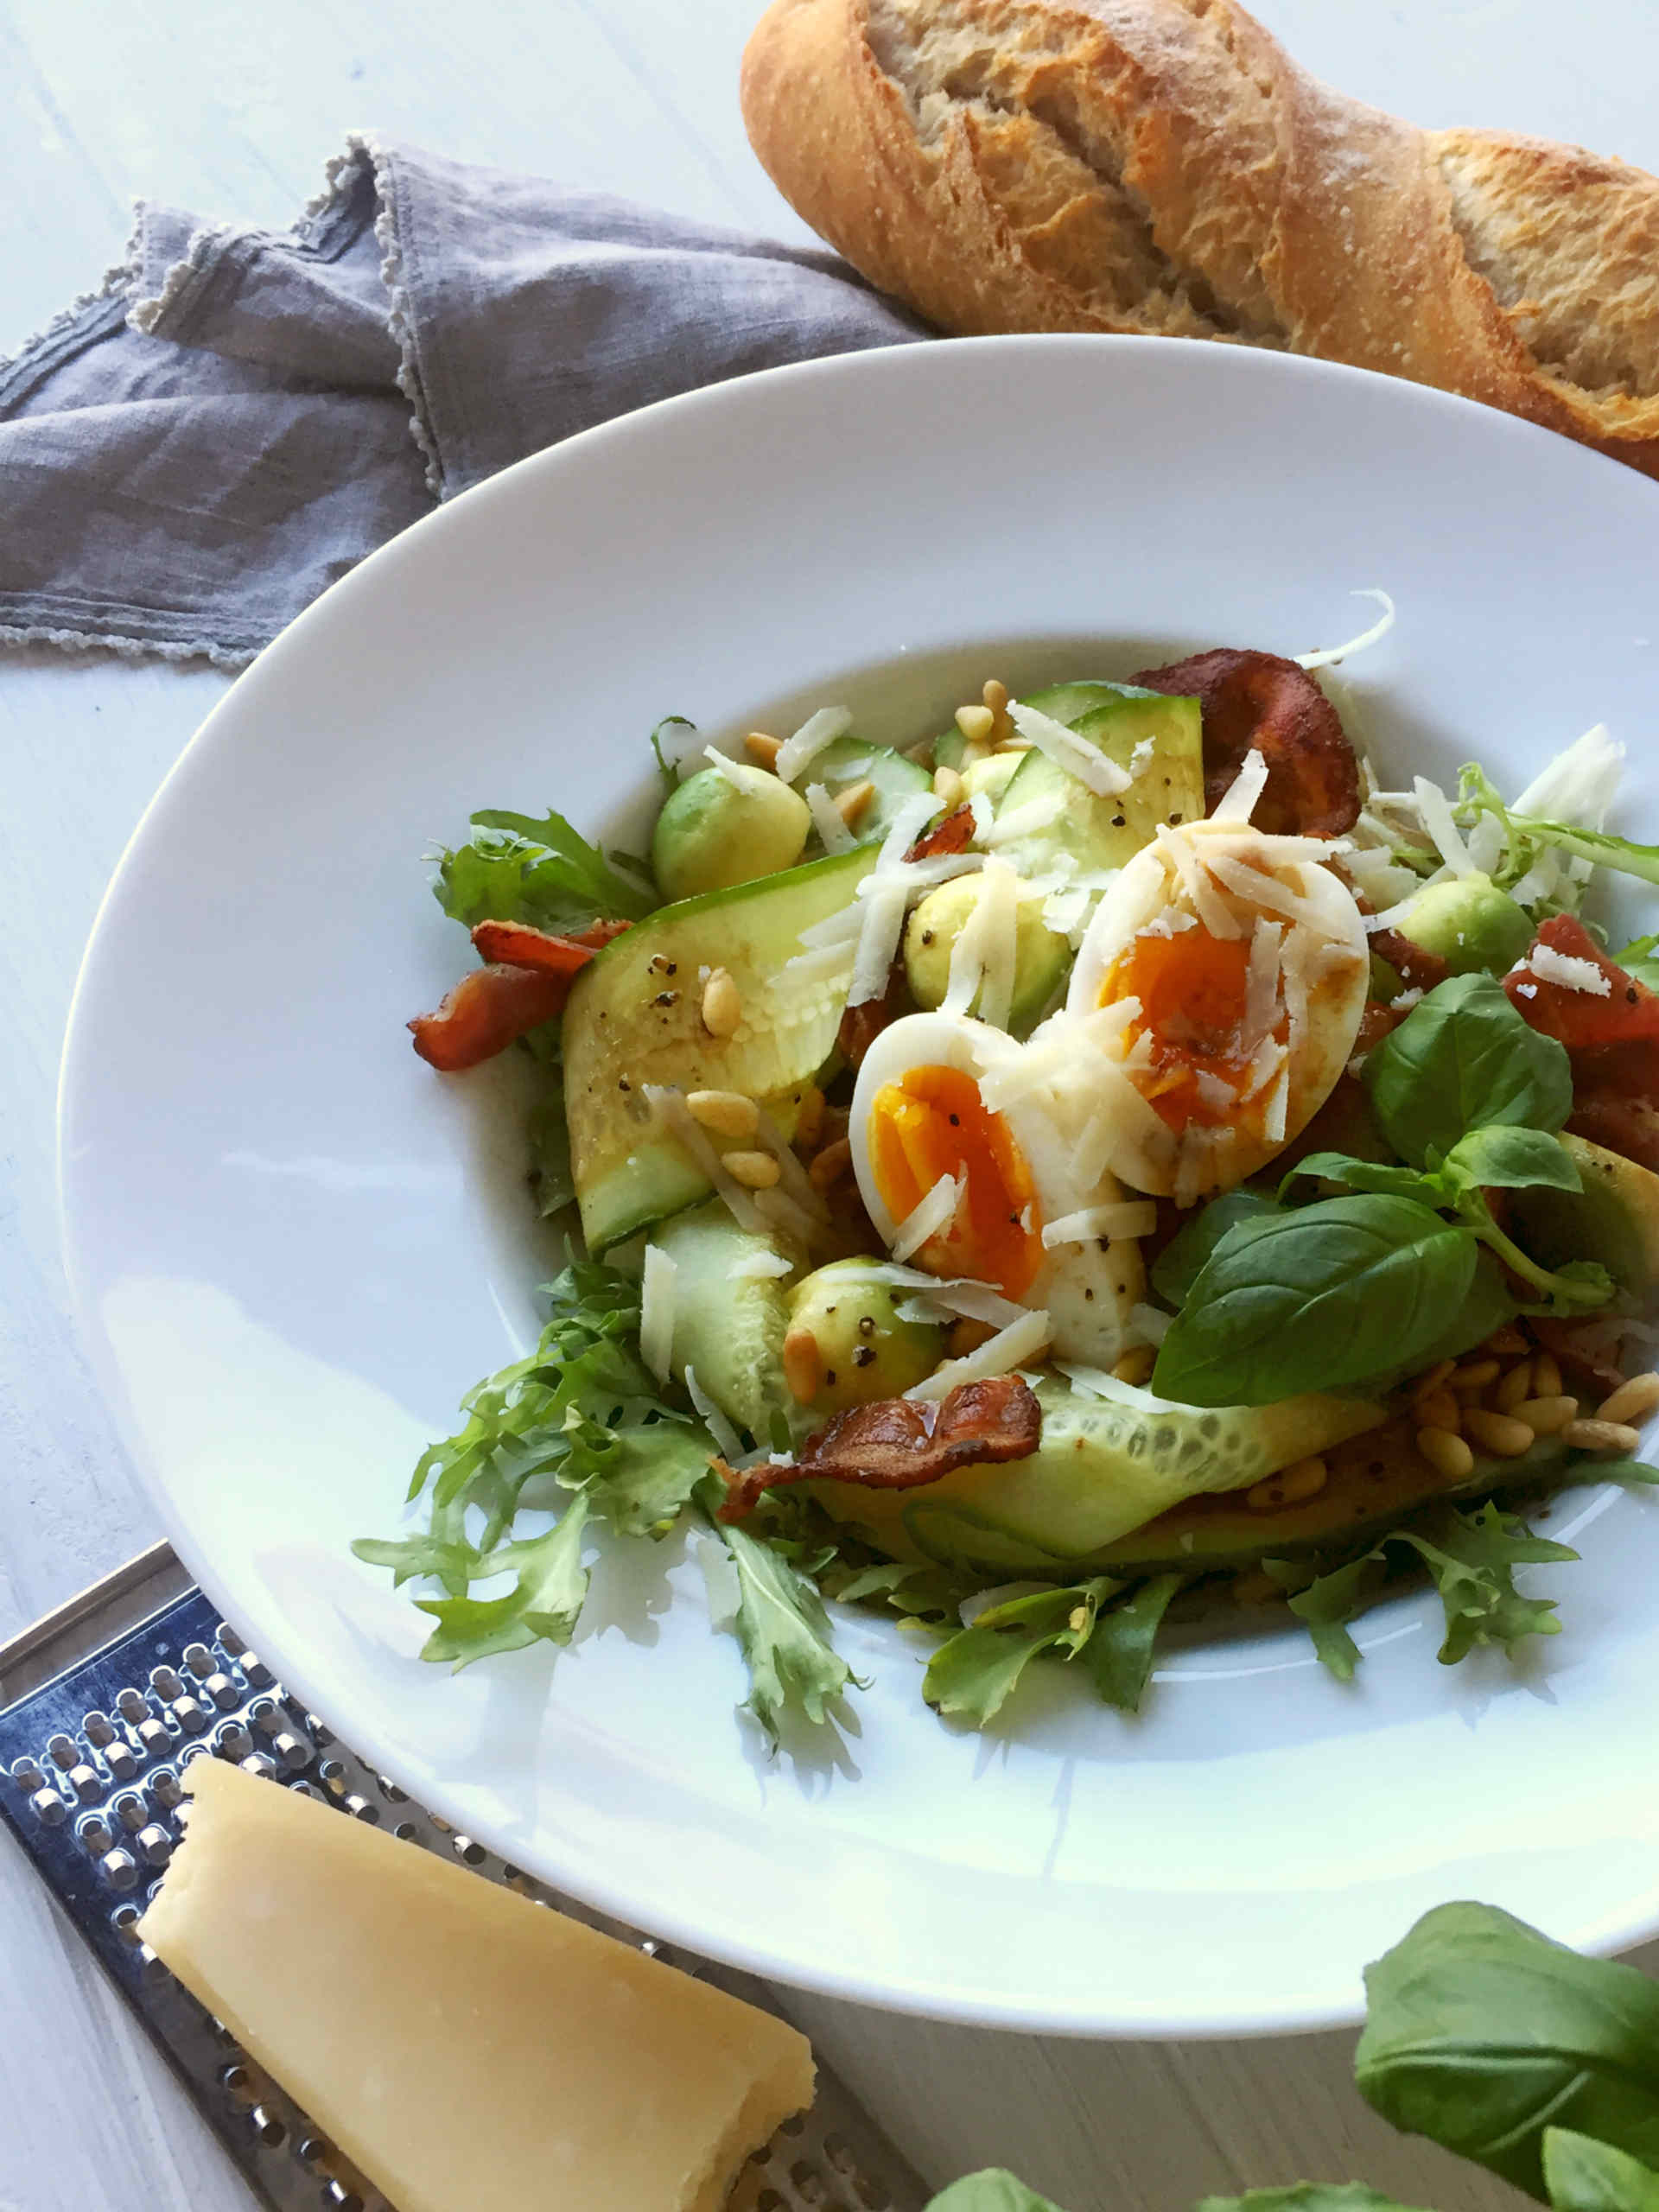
pixel 268 2126
pixel 874 2194
pixel 808 2184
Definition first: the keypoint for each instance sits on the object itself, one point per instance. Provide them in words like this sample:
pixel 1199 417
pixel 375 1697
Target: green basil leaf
pixel 1119 1654
pixel 973 1673
pixel 1481 2031
pixel 1369 1175
pixel 1305 2196
pixel 1179 1266
pixel 1320 1300
pixel 994 2190
pixel 1503 1157
pixel 1464 1059
pixel 1584 2176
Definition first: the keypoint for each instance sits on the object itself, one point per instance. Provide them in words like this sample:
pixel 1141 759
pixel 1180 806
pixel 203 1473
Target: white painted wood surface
pixel 232 112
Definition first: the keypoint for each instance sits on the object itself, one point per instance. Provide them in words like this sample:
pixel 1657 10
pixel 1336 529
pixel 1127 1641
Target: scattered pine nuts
pixel 728 1113
pixel 832 1163
pixel 803 1365
pixel 854 803
pixel 1306 1479
pixel 1432 1381
pixel 1639 1395
pixel 1474 1375
pixel 762 749
pixel 1448 1454
pixel 995 697
pixel 1439 1409
pixel 1513 1387
pixel 755 1171
pixel 966 1335
pixel 1137 1364
pixel 722 1004
pixel 975 723
pixel 948 786
pixel 1500 1434
pixel 1599 1436
pixel 1546 1375
pixel 1547 1416
pixel 1506 1343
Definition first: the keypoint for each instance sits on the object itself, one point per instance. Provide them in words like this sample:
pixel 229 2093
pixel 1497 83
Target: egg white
pixel 1087 1292
pixel 1189 1165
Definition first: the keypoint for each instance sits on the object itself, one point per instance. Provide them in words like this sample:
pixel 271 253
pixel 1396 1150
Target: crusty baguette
pixel 1163 166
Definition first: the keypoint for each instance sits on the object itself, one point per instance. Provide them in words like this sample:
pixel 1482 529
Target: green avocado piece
pixel 1471 923
pixel 1614 1219
pixel 1042 958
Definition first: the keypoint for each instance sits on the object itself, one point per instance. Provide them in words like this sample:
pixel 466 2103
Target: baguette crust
pixel 1163 167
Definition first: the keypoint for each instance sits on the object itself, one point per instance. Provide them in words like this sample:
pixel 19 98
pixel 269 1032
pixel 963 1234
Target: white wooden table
pixel 231 110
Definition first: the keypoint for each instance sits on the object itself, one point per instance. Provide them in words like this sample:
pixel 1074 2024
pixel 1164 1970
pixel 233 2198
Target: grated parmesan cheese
pixel 1274 1115
pixel 1247 882
pixel 960 1294
pixel 1128 1217
pixel 1176 848
pixel 760 1265
pixel 1572 974
pixel 1330 654
pixel 1261 986
pixel 1215 1092
pixel 1150 1323
pixel 929 1215
pixel 668 1103
pixel 1237 801
pixel 1023 821
pixel 728 1442
pixel 1448 839
pixel 816 732
pixel 1009 1349
pixel 984 815
pixel 659 1288
pixel 1067 750
pixel 827 821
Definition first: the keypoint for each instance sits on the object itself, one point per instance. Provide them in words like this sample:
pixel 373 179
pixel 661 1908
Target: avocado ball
pixel 725 826
pixel 1471 923
pixel 992 775
pixel 1041 958
pixel 846 1345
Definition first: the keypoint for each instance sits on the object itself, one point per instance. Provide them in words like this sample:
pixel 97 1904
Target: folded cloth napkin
pixel 189 455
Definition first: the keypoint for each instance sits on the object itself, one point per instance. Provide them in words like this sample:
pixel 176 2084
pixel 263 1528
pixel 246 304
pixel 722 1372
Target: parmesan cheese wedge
pixel 467 2050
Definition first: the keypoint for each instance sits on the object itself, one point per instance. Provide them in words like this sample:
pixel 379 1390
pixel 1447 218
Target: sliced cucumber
pixel 1105 1467
pixel 728 1327
pixel 1092 832
pixel 849 761
pixel 635 1017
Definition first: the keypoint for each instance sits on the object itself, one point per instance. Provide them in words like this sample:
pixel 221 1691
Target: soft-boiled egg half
pixel 1224 974
pixel 951 1115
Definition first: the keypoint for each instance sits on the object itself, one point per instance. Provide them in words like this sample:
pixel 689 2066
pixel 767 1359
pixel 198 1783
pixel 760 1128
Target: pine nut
pixel 1497 1432
pixel 1513 1387
pixel 1599 1436
pixel 975 723
pixel 1433 1380
pixel 762 749
pixel 948 786
pixel 1546 1375
pixel 1136 1366
pixel 1306 1479
pixel 1448 1454
pixel 1639 1395
pixel 809 1119
pixel 966 1335
pixel 803 1365
pixel 1547 1416
pixel 1475 1375
pixel 830 1164
pixel 722 1004
pixel 1506 1343
pixel 1439 1409
pixel 995 697
pixel 755 1171
pixel 854 803
pixel 728 1113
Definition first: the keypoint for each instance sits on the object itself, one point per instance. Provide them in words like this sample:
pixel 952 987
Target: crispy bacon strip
pixel 862 1025
pixel 1257 700
pixel 950 835
pixel 1418 969
pixel 527 983
pixel 903 1443
pixel 1612 1042
pixel 521 946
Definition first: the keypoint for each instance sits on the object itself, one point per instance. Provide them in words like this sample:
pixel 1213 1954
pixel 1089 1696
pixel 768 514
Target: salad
pixel 1112 1155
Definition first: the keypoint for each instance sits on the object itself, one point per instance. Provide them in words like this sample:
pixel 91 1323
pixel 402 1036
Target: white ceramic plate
pixel 294 1246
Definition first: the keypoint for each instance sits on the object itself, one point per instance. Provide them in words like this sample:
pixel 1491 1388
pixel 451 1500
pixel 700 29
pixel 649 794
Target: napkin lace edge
pixel 126 645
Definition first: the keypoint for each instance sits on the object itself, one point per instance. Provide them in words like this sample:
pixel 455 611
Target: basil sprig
pixel 1351 1290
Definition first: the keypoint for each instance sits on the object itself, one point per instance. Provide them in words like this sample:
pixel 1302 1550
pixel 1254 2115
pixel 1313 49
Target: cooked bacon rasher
pixel 527 983
pixel 903 1443
pixel 1257 702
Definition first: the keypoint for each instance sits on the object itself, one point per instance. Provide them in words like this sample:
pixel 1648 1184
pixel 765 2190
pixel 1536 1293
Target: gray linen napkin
pixel 189 455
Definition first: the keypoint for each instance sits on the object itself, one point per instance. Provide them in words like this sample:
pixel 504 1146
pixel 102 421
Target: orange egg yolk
pixel 1192 989
pixel 933 1122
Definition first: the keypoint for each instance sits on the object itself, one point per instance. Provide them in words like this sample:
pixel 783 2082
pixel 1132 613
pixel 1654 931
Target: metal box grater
pixel 109 1700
